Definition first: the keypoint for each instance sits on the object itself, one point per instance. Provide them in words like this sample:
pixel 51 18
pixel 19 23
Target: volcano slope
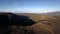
pixel 45 24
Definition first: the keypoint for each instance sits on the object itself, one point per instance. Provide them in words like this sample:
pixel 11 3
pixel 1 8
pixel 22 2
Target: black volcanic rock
pixel 13 19
pixel 21 20
pixel 8 19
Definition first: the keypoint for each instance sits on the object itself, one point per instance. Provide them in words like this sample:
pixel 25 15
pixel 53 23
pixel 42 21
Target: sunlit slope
pixel 49 24
pixel 41 28
pixel 38 17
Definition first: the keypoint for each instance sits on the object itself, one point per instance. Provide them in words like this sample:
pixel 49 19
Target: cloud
pixel 30 11
pixel 42 11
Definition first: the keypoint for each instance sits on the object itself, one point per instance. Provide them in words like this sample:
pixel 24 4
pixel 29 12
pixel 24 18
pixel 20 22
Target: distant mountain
pixel 57 13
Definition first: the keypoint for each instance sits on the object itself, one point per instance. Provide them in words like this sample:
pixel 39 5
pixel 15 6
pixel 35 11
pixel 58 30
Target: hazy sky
pixel 37 6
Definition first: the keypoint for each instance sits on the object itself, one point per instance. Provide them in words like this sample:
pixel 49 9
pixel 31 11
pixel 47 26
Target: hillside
pixel 56 13
pixel 48 22
pixel 51 23
pixel 45 24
